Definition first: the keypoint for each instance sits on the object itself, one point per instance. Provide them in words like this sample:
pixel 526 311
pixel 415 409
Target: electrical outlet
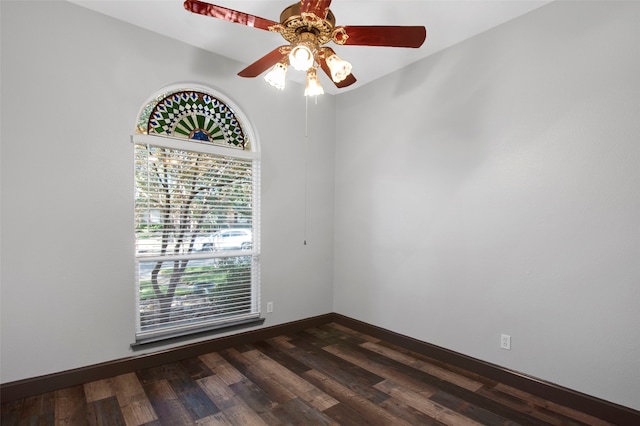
pixel 269 307
pixel 505 342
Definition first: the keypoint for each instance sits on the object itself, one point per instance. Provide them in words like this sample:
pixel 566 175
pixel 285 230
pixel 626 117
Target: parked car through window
pixel 228 239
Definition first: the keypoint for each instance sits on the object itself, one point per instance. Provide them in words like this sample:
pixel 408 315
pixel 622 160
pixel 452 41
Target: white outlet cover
pixel 505 341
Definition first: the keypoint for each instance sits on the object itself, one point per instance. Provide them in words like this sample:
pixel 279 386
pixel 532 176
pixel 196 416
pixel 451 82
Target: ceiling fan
pixel 308 26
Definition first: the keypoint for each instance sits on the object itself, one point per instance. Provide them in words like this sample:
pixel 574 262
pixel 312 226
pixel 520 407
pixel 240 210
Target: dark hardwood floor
pixel 325 375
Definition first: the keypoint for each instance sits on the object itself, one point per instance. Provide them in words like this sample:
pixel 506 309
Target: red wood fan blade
pixel 323 64
pixel 317 7
pixel 231 15
pixel 263 64
pixel 391 36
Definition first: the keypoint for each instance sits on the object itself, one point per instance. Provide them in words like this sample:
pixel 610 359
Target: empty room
pixel 448 234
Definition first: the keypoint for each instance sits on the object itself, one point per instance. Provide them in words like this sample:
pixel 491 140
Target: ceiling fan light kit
pixel 308 25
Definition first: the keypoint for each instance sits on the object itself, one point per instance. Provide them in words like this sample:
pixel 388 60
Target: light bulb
pixel 313 87
pixel 276 77
pixel 302 54
pixel 339 68
pixel 301 57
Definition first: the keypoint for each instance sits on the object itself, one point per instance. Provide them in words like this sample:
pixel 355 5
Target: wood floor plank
pixel 193 397
pixel 409 414
pixel 282 342
pixel 222 368
pixel 126 385
pixel 153 374
pixel 343 372
pixel 244 347
pixel 233 407
pixel 100 389
pixel 153 423
pixel 437 363
pixel 370 412
pixel 39 409
pixel 540 402
pixel 520 405
pixel 328 336
pixel 218 391
pixel 360 359
pixel 136 407
pixel 321 339
pixel 351 332
pixel 196 368
pixel 12 413
pixel 305 343
pixel 344 415
pixel 241 414
pixel 218 419
pixel 281 357
pixel 105 412
pixel 166 404
pixel 256 399
pixel 291 381
pixel 266 380
pixel 298 412
pixel 430 408
pixel 471 411
pixel 70 406
pixel 442 373
pixel 137 410
pixel 341 336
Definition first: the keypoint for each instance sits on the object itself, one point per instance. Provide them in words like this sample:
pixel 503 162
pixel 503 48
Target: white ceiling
pixel 447 21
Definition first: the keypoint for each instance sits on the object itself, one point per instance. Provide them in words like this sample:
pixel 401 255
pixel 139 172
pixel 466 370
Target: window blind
pixel 196 240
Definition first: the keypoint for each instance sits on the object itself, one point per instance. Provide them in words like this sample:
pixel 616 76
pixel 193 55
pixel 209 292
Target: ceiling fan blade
pixel 206 9
pixel 317 7
pixel 380 35
pixel 323 64
pixel 263 64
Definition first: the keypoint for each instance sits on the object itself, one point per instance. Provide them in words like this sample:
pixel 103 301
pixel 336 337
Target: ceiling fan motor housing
pixel 295 26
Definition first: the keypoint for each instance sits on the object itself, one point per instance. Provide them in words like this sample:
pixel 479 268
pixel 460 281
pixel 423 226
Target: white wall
pixel 495 188
pixel 72 85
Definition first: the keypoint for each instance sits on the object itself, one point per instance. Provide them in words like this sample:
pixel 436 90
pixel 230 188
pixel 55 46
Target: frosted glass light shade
pixel 276 77
pixel 313 87
pixel 339 68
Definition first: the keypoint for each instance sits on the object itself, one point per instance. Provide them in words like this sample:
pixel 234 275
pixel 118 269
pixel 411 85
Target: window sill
pixel 153 341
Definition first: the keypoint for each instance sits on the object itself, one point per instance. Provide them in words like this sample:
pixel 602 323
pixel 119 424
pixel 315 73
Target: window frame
pixel 145 337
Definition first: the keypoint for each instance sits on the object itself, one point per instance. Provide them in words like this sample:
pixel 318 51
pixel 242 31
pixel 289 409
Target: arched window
pixel 197 199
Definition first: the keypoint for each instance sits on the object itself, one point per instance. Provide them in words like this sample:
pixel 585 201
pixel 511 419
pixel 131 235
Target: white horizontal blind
pixel 196 240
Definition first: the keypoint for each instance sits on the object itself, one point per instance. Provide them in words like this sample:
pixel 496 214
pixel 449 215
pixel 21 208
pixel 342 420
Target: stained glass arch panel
pixel 195 115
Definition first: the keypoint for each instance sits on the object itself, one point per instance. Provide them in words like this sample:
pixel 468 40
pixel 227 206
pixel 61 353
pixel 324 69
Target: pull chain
pixel 306 162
